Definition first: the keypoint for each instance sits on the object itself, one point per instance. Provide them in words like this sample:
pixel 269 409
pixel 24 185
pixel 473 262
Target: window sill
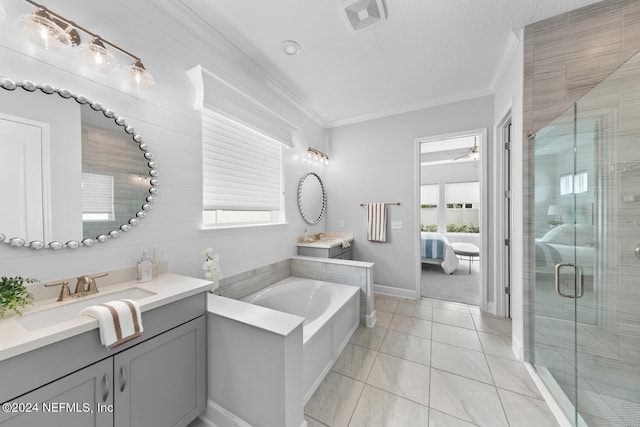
pixel 240 226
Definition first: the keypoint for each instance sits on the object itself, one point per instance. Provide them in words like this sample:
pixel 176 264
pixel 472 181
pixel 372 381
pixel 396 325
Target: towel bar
pixel 394 203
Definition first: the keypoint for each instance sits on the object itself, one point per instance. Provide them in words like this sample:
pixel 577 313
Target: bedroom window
pixel 242 174
pixel 429 196
pixel 463 207
pixel 574 183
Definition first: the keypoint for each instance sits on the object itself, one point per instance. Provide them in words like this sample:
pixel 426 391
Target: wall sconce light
pixel 51 31
pixel 317 156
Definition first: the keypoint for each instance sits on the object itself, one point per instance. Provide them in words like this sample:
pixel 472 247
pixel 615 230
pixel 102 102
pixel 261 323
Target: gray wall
pixel 376 161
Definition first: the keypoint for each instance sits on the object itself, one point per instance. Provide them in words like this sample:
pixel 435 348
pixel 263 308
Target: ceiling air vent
pixel 363 13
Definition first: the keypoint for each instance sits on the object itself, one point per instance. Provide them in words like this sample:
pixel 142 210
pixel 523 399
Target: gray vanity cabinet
pixel 337 252
pixel 159 382
pixel 81 399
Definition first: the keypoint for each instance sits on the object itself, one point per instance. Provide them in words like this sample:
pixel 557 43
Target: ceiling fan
pixel 473 153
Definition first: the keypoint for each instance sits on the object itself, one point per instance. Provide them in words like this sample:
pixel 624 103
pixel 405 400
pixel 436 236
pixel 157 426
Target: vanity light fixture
pixel 317 156
pixel 52 31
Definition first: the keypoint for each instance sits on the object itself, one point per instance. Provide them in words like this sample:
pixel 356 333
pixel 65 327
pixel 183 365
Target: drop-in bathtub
pixel 331 312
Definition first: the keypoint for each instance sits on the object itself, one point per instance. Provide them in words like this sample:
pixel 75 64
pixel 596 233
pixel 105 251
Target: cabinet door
pixel 82 399
pixel 162 382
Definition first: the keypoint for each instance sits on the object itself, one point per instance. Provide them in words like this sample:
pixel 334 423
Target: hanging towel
pixel 120 321
pixel 376 222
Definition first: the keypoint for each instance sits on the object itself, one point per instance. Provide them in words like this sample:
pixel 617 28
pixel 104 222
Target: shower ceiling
pixel 424 53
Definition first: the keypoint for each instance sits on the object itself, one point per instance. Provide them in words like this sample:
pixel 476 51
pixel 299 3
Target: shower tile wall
pixel 565 57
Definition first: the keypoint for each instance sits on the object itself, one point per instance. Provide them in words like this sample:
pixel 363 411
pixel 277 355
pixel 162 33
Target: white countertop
pixel 166 288
pixel 327 241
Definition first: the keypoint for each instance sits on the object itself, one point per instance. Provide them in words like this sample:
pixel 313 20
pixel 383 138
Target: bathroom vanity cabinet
pixel 330 245
pixel 337 252
pixel 157 381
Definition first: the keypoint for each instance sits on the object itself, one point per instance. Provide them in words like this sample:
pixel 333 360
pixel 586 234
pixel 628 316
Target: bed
pixel 435 249
pixel 568 243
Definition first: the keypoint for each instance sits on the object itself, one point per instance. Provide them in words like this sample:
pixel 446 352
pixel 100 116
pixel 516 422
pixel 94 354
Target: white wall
pixel 509 97
pixel 376 161
pixel 164 116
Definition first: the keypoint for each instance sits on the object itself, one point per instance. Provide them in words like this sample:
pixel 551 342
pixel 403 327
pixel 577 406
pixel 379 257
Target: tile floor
pixel 429 363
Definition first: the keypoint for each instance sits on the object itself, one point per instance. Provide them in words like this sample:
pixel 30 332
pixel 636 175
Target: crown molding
pixel 410 108
pixel 180 11
pixel 510 48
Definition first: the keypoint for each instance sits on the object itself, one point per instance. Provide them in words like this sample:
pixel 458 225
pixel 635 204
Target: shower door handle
pixel 580 285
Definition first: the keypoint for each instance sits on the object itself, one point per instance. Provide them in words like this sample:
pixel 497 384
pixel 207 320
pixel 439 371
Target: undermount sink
pixel 71 309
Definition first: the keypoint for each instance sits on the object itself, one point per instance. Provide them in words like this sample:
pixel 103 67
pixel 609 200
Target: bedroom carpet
pixel 459 286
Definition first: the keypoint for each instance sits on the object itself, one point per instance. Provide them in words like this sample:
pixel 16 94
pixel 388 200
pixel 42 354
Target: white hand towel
pixel 120 321
pixel 376 222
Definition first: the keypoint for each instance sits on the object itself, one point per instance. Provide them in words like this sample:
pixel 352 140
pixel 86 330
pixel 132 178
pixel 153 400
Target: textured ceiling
pixel 425 53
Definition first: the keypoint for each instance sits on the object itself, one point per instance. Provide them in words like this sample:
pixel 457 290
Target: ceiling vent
pixel 363 13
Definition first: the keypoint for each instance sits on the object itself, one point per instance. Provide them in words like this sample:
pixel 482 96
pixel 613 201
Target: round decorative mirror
pixel 312 198
pixel 74 173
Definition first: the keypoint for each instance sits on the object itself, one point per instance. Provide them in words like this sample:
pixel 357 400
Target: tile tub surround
pixel 429 363
pixel 354 273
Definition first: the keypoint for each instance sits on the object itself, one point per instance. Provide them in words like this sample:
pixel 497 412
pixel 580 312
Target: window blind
pixel 97 195
pixel 463 192
pixel 429 194
pixel 241 167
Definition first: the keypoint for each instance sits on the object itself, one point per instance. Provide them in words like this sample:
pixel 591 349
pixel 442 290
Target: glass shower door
pixel 586 274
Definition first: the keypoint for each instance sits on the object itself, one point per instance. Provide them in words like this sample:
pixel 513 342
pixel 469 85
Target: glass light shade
pixel 98 57
pixel 138 77
pixel 43 30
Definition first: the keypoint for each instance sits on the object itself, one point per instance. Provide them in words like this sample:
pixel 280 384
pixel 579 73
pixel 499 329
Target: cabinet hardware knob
pixel 123 378
pixel 105 380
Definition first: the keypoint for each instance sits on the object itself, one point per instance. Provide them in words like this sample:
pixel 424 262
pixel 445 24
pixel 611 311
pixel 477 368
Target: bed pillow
pixel 566 234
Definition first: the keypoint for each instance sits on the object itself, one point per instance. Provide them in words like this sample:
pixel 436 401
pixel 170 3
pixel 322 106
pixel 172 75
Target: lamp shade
pixel 138 77
pixel 96 55
pixel 555 210
pixel 42 30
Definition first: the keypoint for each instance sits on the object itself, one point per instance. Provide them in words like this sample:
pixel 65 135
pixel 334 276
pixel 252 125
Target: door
pixel 585 230
pixel 161 382
pixel 81 399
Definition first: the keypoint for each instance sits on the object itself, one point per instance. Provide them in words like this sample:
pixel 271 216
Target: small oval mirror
pixel 312 198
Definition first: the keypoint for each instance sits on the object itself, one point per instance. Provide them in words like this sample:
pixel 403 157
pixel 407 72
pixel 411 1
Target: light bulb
pixel 138 77
pixel 97 56
pixel 42 30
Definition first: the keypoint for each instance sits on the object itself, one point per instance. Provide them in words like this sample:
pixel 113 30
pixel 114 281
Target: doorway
pixel 450 217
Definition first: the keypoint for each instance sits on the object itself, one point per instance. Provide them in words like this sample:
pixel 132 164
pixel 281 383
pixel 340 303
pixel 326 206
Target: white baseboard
pixel 397 292
pixel 217 416
pixel 371 319
pixel 516 347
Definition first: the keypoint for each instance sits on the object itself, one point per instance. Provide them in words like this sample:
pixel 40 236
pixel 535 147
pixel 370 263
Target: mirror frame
pixel 48 89
pixel 324 199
